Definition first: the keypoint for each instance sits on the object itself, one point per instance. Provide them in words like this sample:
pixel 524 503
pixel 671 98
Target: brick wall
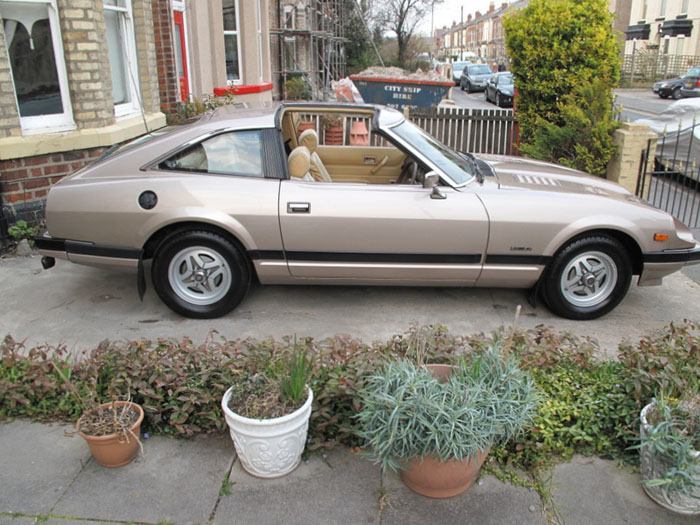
pixel 24 183
pixel 165 57
pixel 87 62
pixel 146 55
pixel 9 118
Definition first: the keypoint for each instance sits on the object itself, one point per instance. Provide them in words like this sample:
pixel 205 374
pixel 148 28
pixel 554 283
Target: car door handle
pixel 298 207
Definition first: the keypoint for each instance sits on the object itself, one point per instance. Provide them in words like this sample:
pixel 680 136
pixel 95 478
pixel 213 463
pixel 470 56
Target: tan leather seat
pixel 309 138
pixel 299 161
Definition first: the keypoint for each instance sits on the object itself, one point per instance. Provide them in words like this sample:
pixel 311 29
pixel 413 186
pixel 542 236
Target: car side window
pixel 233 153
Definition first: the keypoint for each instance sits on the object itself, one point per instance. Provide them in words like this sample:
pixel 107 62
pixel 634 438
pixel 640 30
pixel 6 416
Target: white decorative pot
pixel 654 466
pixel 269 448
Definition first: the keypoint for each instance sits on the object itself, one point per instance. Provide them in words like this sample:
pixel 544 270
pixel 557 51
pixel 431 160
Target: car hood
pixel 481 78
pixel 506 90
pixel 520 173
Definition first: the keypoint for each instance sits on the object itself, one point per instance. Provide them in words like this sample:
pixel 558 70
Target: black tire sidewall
pixel 240 274
pixel 676 94
pixel 551 290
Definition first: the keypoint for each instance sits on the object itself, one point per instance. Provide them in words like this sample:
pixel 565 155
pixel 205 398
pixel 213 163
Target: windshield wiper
pixel 475 167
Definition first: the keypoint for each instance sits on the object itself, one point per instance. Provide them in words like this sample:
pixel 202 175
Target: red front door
pixel 181 55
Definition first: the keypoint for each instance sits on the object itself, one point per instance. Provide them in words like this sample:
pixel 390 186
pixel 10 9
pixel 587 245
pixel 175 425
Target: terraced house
pixel 77 76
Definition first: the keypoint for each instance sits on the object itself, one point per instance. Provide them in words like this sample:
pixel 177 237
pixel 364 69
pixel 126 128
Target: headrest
pixel 299 161
pixel 309 138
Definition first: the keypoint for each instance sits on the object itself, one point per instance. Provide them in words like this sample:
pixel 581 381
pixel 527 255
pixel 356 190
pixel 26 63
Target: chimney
pixel 469 18
pixel 504 5
pixel 491 7
pixel 477 15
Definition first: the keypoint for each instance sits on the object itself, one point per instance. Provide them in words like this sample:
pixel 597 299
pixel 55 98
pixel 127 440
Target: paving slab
pixel 175 480
pixel 9 520
pixel 38 464
pixel 341 489
pixel 593 490
pixel 59 305
pixel 488 501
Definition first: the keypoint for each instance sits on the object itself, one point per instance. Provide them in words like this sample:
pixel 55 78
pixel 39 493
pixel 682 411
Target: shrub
pixel 297 88
pixel 407 412
pixel 565 60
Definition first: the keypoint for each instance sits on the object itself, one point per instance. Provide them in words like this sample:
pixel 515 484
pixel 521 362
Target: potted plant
pixel 111 430
pixel 268 416
pixel 332 130
pixel 438 425
pixel 670 452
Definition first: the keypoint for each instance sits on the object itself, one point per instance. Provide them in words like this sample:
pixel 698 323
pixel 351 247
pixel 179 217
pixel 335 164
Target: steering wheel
pixel 409 171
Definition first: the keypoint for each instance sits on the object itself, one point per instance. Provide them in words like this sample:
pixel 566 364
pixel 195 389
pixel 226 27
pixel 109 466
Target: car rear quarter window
pixel 233 153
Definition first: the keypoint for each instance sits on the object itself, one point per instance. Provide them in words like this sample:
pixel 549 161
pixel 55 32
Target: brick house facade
pixel 76 77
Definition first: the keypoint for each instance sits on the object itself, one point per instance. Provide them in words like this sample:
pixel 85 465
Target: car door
pixel 369 232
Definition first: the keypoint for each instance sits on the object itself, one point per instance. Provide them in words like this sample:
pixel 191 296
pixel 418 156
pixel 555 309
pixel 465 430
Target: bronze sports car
pixel 245 194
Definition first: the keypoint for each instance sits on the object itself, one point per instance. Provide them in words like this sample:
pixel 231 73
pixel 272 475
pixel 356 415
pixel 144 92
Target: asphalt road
pixel 471 100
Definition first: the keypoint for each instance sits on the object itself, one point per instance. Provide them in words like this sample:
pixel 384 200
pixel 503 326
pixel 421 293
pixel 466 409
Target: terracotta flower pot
pixel 303 126
pixel 430 477
pixel 333 136
pixel 114 450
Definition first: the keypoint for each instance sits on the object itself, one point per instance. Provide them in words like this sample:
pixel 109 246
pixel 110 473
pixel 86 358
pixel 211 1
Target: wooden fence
pixel 470 130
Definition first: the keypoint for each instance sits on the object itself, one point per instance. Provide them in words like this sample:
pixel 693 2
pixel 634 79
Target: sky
pixel 450 10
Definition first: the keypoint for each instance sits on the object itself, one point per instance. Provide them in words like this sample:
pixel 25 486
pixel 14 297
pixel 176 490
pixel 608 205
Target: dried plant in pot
pixel 268 416
pixel 670 452
pixel 438 425
pixel 111 430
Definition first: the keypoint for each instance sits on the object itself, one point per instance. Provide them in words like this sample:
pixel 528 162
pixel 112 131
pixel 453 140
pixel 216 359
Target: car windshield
pixel 693 72
pixel 458 67
pixel 446 159
pixel 505 80
pixel 481 69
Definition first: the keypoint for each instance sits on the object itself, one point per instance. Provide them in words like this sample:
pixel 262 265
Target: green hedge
pixel 588 405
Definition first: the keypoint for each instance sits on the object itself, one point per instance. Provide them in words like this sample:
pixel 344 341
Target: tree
pixel 359 51
pixel 402 17
pixel 566 61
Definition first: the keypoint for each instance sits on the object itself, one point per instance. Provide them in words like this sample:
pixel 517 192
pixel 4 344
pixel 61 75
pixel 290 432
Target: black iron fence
pixel 670 180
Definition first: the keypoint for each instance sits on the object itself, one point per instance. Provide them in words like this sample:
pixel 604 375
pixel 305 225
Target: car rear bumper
pixel 690 92
pixel 89 253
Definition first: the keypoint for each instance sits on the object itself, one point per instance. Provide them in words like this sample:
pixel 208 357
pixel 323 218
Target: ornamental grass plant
pixel 406 412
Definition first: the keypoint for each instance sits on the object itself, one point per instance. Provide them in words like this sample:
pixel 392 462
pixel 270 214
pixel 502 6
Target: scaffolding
pixel 311 43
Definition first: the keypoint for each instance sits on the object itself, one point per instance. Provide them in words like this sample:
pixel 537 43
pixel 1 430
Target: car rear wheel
pixel 200 274
pixel 587 278
pixel 676 93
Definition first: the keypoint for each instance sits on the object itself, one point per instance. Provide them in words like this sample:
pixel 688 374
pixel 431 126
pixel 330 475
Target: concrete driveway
pixel 80 306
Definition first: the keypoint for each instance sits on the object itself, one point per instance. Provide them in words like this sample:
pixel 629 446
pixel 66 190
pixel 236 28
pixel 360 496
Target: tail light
pixel 697 84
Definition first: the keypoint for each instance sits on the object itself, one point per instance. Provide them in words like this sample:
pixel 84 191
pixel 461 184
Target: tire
pixel 486 95
pixel 498 100
pixel 662 96
pixel 181 274
pixel 598 260
pixel 469 87
pixel 461 85
pixel 676 94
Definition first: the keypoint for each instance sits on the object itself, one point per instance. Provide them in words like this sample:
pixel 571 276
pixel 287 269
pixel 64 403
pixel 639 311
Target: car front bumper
pixel 658 265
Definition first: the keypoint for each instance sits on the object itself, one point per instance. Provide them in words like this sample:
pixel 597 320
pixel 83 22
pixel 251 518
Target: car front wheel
pixel 498 99
pixel 587 278
pixel 200 274
pixel 676 94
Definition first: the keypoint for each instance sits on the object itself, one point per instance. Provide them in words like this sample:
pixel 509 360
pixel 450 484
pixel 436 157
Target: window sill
pixel 42 144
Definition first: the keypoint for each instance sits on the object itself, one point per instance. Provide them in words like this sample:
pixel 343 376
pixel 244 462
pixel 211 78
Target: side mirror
pixel 431 180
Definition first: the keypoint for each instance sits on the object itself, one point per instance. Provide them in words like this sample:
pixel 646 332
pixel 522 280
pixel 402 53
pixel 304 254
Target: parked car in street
pixel 691 83
pixel 457 69
pixel 669 88
pixel 500 90
pixel 241 195
pixel 474 77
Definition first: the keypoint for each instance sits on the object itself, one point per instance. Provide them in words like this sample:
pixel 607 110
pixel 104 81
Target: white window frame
pixel 237 34
pixel 133 106
pixel 58 122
